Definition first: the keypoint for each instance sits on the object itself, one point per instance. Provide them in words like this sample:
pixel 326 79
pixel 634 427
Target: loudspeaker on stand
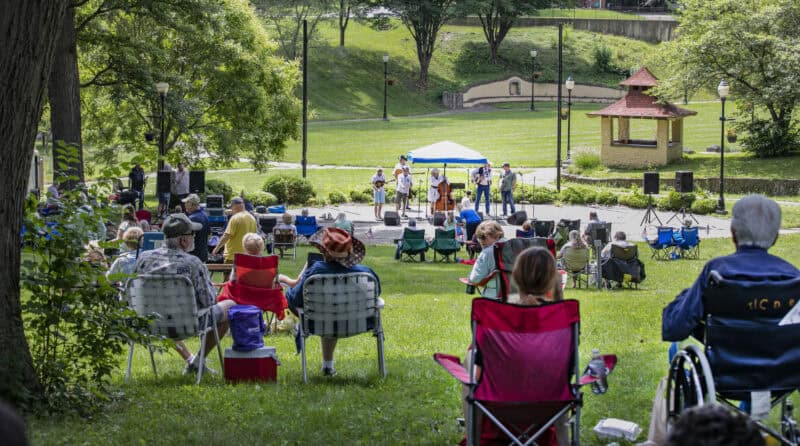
pixel 651 182
pixel 684 181
pixel 391 218
pixel 517 218
pixel 197 181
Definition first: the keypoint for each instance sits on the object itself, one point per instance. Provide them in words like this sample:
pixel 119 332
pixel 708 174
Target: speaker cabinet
pixel 197 181
pixel 684 181
pixel 164 181
pixel 391 218
pixel 438 218
pixel 517 218
pixel 214 202
pixel 651 182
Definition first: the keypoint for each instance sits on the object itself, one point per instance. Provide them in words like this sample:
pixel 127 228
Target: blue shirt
pixel 470 216
pixel 295 294
pixel 200 237
pixel 682 315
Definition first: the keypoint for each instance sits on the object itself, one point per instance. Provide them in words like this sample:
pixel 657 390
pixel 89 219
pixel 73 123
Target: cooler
pixel 279 209
pixel 260 364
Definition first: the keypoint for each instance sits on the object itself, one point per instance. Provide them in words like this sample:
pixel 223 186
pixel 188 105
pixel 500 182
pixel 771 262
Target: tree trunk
pixel 65 96
pixel 424 63
pixel 344 18
pixel 29 29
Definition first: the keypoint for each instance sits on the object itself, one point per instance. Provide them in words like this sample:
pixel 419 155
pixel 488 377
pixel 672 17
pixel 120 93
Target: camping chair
pixel 283 239
pixel 505 254
pixel 528 376
pixel 445 243
pixel 170 299
pixel 560 235
pixel 149 240
pixel 599 233
pixel 690 246
pixel 255 282
pixel 576 263
pixel 267 225
pixel 572 225
pixel 525 234
pixel 661 248
pixel 747 355
pixel 144 214
pixel 543 228
pixel 623 267
pixel 306 226
pixel 413 244
pixel 340 306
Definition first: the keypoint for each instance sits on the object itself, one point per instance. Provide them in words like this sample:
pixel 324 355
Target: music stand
pixel 651 212
pixel 683 212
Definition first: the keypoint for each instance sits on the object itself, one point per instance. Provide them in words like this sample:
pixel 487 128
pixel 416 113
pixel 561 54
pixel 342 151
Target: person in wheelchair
pixel 754 229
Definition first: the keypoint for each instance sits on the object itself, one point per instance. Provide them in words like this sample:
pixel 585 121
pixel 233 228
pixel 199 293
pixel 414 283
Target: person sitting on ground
pixel 129 220
pixel 466 202
pixel 755 223
pixel 343 223
pixel 126 261
pixel 713 425
pixel 449 222
pixel 538 282
pixel 487 234
pixel 253 244
pixel 174 258
pixel 342 254
pixel 619 239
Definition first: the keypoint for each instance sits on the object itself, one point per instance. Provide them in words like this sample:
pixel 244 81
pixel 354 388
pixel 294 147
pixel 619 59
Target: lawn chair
pixel 544 228
pixel 255 282
pixel 623 267
pixel 661 248
pixel 529 372
pixel 747 356
pixel 505 254
pixel 149 240
pixel 599 234
pixel 306 226
pixel 690 246
pixel 267 225
pixel 413 244
pixel 445 243
pixel 283 239
pixel 171 300
pixel 144 214
pixel 525 234
pixel 340 306
pixel 560 235
pixel 576 263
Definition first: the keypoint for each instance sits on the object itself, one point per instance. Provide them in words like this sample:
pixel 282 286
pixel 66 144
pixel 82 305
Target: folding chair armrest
pixel 483 281
pixel 452 365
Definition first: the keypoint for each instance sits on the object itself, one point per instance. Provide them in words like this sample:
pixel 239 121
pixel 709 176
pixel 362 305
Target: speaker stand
pixel 683 213
pixel 650 213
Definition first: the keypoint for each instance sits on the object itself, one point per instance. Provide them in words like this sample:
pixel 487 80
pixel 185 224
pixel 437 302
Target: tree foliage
pixel 498 16
pixel 286 18
pixel 229 95
pixel 755 46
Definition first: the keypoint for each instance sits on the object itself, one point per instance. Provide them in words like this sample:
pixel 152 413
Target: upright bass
pixel 445 202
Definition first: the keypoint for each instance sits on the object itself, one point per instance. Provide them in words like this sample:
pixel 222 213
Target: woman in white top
pixel 433 189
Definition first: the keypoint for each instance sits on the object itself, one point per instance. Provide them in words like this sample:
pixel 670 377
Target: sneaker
pixel 191 368
pixel 329 371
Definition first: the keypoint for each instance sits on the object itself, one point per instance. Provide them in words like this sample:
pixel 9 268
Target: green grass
pixel 426 312
pixel 583 13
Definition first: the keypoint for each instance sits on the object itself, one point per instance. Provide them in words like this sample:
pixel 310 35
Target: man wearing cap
pixel 378 180
pixel 508 183
pixel 197 215
pixel 174 258
pixel 342 254
pixel 239 224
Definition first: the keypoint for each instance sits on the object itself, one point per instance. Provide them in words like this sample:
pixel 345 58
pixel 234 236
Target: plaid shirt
pixel 173 261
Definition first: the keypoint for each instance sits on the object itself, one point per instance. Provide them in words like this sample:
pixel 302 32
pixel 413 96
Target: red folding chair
pixel 255 282
pixel 528 372
pixel 144 214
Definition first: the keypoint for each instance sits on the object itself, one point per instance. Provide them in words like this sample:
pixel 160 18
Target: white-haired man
pixel 754 229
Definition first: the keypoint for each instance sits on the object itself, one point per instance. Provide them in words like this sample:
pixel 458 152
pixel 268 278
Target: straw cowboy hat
pixel 336 245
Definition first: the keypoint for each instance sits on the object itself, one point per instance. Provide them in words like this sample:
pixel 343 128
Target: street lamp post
pixel 723 89
pixel 570 84
pixel 533 76
pixel 162 88
pixel 385 84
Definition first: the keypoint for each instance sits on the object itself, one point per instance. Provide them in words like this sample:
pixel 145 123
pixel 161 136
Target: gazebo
pixel 627 148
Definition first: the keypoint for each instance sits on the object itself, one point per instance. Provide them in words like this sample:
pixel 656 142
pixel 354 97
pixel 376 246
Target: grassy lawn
pixel 583 13
pixel 426 312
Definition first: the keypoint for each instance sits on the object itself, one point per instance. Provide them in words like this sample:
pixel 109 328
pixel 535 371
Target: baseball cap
pixel 192 198
pixel 236 200
pixel 506 165
pixel 179 224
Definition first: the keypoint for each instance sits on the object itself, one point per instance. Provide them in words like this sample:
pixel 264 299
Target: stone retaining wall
pixel 772 187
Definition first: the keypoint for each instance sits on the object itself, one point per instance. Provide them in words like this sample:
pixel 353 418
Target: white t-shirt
pixel 377 177
pixel 400 167
pixel 486 178
pixel 403 183
pixel 182 182
pixel 466 203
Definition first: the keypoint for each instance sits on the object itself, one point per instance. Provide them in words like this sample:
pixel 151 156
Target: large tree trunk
pixel 29 29
pixel 344 19
pixel 64 92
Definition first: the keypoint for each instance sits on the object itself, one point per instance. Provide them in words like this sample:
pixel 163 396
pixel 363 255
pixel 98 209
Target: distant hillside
pixel 348 83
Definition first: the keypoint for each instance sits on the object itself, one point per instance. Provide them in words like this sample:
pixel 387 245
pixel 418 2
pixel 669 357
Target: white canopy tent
pixel 446 152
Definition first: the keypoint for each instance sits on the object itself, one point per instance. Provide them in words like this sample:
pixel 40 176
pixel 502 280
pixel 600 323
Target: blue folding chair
pixel 306 226
pixel 690 246
pixel 661 248
pixel 149 240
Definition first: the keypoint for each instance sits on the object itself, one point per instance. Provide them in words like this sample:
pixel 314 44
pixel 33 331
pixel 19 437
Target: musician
pixel 401 165
pixel 403 188
pixel 433 190
pixel 378 180
pixel 508 184
pixel 482 177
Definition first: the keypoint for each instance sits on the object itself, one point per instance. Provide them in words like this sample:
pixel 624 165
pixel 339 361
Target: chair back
pixel 525 234
pixel 445 234
pixel 599 231
pixel 170 298
pixel 690 237
pixel 340 305
pixel 505 255
pixel 306 226
pixel 543 228
pixel 665 235
pixel 625 253
pixel 746 347
pixel 413 240
pixel 254 271
pixel 144 214
pixel 149 239
pixel 575 258
pixel 267 224
pixel 572 225
pixel 529 353
pixel 283 236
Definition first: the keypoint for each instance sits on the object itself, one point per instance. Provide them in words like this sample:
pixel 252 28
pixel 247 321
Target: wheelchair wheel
pixel 689 383
pixel 788 423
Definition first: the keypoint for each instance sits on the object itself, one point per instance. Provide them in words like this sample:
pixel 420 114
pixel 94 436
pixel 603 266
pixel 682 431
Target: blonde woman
pixel 487 233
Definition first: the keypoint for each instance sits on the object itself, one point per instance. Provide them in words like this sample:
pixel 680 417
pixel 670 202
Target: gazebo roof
pixel 636 104
pixel 642 78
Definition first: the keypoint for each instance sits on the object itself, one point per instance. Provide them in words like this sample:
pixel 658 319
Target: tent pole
pixel 427 177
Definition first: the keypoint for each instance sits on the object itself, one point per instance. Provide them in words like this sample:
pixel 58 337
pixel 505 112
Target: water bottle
pixel 597 369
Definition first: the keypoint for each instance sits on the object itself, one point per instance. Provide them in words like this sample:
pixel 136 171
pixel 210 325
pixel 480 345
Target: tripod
pixel 650 213
pixel 683 212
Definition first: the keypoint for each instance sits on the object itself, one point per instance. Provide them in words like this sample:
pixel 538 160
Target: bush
pixel 218 187
pixel 578 195
pixel 673 201
pixel 337 197
pixel 289 189
pixel 261 198
pixel 535 194
pixel 635 199
pixel 704 206
pixel 765 138
pixel 585 158
pixel 360 197
pixel 606 197
pixel 602 57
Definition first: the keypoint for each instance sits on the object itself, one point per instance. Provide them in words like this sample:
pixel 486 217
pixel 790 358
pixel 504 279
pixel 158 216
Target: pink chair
pixel 255 283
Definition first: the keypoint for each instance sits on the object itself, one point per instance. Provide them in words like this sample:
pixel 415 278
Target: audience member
pixel 94 255
pixel 137 180
pixel 240 223
pixel 126 261
pixel 285 225
pixel 343 223
pixel 198 215
pixel 587 233
pixel 619 239
pixel 181 182
pixel 253 244
pixel 527 231
pixel 574 241
pixel 412 223
pixel 755 223
pixel 466 202
pixel 713 425
pixel 342 254
pixel 487 234
pixel 174 258
pixel 129 220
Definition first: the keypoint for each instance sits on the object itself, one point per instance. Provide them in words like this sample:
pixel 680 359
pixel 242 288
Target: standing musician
pixel 379 193
pixel 403 189
pixel 402 163
pixel 435 192
pixel 482 177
